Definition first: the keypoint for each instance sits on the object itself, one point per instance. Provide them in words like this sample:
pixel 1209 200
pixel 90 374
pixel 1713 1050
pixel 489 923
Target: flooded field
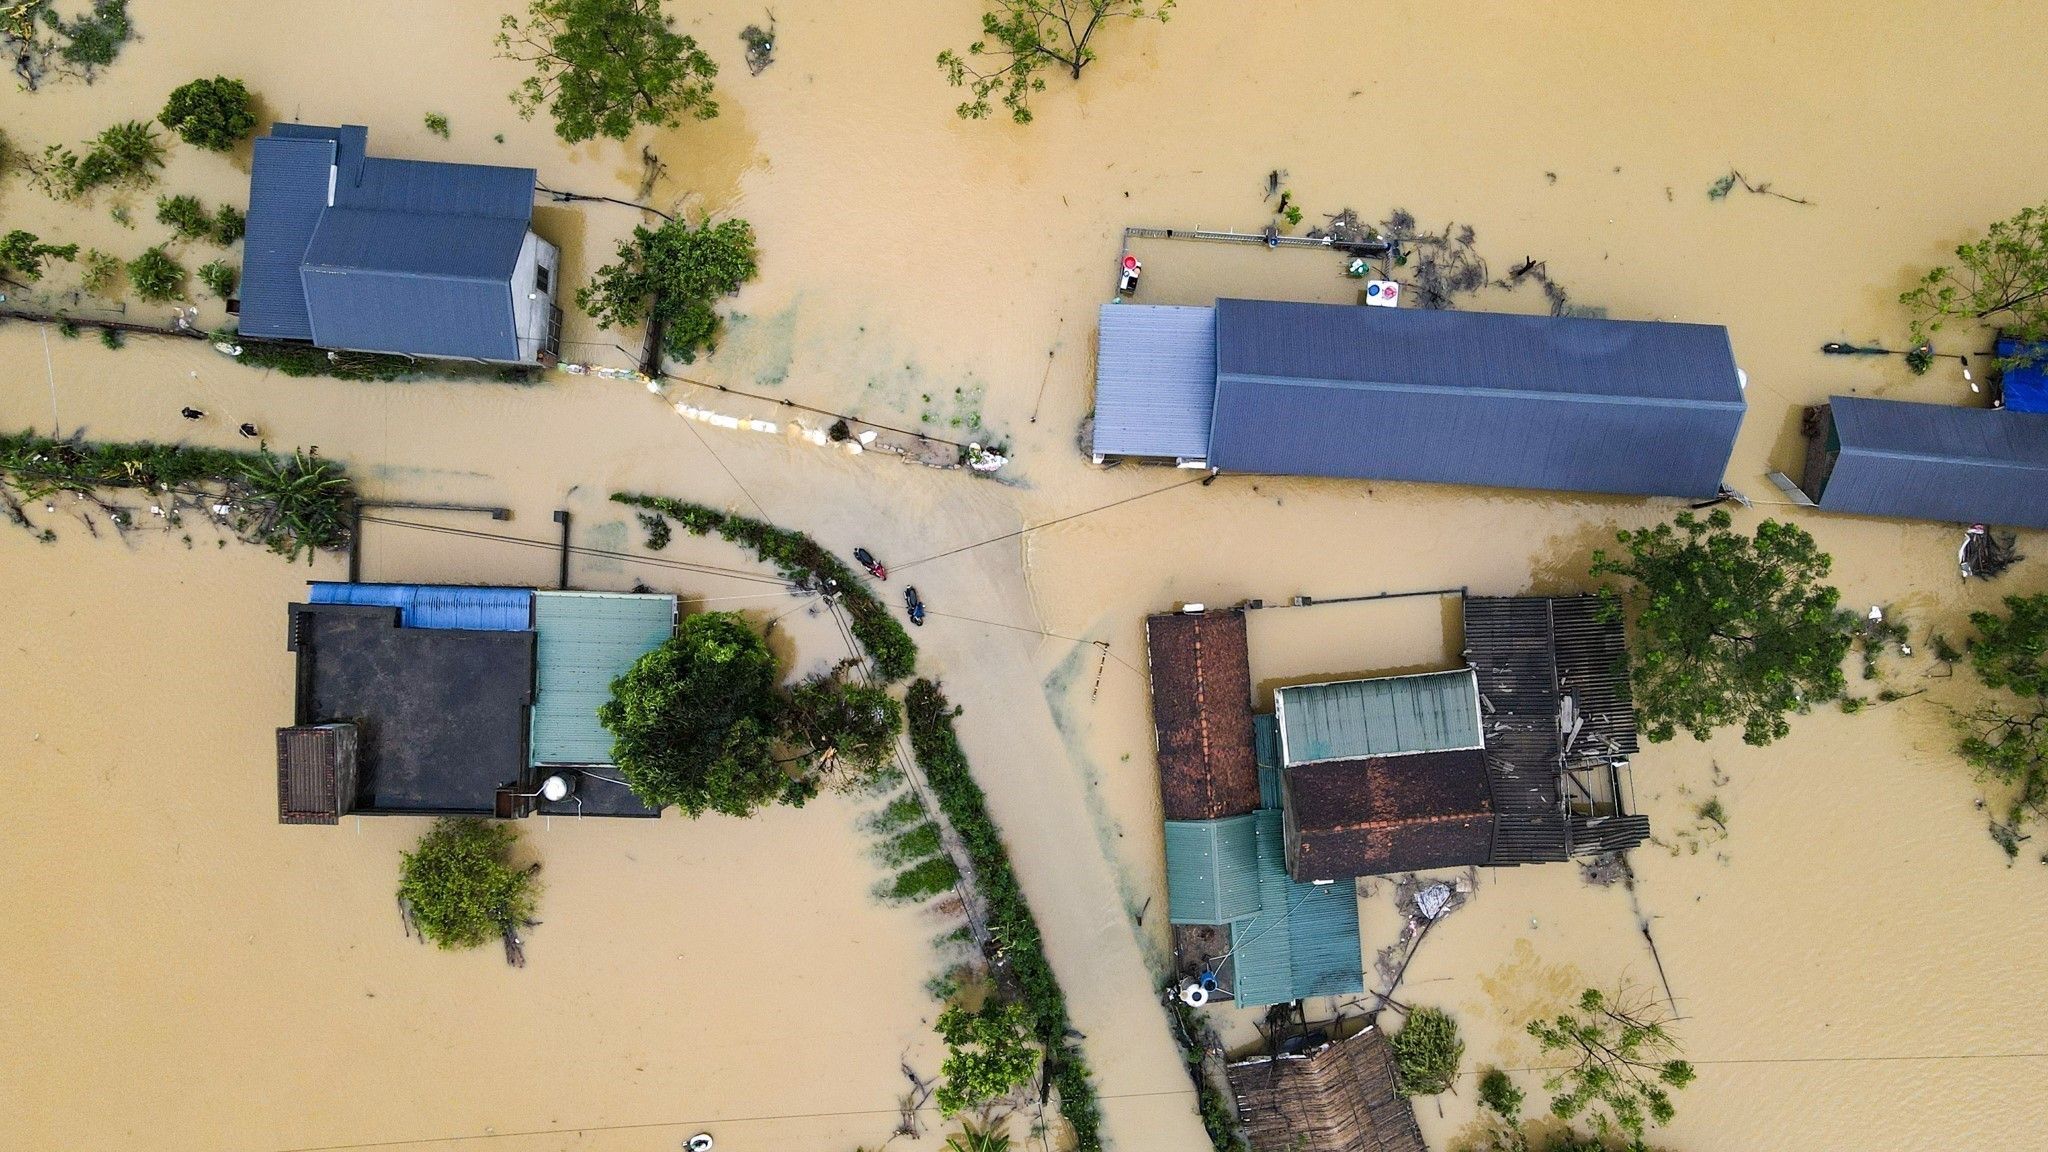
pixel 1855 964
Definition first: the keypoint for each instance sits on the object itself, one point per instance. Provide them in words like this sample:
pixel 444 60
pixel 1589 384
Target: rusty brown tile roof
pixel 1202 714
pixel 1388 814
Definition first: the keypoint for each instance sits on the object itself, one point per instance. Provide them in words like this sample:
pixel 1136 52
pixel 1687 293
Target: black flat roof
pixel 441 714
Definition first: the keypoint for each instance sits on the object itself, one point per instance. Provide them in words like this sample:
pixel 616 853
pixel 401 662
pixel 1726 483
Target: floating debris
pixel 1720 189
pixel 760 45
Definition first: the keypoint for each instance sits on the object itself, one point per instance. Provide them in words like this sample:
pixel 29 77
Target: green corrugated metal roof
pixel 1430 712
pixel 1304 942
pixel 1266 750
pixel 586 640
pixel 1212 874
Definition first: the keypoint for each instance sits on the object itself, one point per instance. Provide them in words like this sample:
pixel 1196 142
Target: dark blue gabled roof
pixel 1938 462
pixel 1627 407
pixel 358 252
pixel 287 193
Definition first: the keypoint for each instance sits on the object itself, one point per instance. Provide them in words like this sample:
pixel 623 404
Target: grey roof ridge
pixel 1738 403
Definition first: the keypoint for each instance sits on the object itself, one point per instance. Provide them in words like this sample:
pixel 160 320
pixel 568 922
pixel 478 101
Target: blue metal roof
pixel 1304 941
pixel 457 606
pixel 1938 462
pixel 407 256
pixel 1562 403
pixel 2024 389
pixel 287 195
pixel 1155 381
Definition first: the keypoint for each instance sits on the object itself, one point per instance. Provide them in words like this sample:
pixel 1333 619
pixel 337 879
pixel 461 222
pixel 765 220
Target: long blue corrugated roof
pixel 403 256
pixel 1155 381
pixel 1938 462
pixel 457 606
pixel 1544 402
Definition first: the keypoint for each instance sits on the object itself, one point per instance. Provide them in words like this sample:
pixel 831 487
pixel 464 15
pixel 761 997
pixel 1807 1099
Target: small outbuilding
pixel 1927 461
pixel 1327 1087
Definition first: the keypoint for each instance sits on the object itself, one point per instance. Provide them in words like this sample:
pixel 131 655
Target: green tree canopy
pixel 693 722
pixel 605 67
pixel 2005 738
pixel 849 730
pixel 23 254
pixel 459 885
pixel 989 1055
pixel 1729 629
pixel 669 277
pixel 1020 38
pixel 2000 278
pixel 1427 1051
pixel 1625 1062
pixel 214 114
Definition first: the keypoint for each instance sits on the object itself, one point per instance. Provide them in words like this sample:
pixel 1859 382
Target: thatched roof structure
pixel 1331 1096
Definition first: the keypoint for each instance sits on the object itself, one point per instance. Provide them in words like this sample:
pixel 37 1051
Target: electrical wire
pixel 585 550
pixel 1050 523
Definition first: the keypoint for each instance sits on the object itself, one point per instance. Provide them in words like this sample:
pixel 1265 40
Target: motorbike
pixel 914 605
pixel 876 568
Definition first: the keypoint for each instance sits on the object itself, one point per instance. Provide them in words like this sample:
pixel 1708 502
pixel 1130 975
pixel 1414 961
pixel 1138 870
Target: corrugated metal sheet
pixel 413 257
pixel 287 195
pixel 1542 402
pixel 1388 716
pixel 1266 745
pixel 587 640
pixel 458 606
pixel 1155 381
pixel 1937 462
pixel 1304 941
pixel 2024 388
pixel 1212 872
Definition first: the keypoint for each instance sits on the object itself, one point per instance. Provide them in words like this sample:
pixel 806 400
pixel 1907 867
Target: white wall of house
pixel 535 282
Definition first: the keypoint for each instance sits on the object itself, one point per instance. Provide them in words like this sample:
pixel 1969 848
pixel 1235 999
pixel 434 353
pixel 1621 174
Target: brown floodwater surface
pixel 1854 963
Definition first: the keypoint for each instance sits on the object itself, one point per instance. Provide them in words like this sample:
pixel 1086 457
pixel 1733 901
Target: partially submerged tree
pixel 2001 279
pixel 1427 1051
pixel 459 887
pixel 848 731
pixel 214 114
pixel 694 721
pixel 669 277
pixel 34 35
pixel 22 254
pixel 1021 38
pixel 124 155
pixel 1729 629
pixel 2005 738
pixel 989 1055
pixel 1625 1062
pixel 606 67
pixel 156 276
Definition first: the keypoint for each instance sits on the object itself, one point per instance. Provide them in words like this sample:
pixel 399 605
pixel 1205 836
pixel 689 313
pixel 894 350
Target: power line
pixel 584 550
pixel 1102 644
pixel 1050 523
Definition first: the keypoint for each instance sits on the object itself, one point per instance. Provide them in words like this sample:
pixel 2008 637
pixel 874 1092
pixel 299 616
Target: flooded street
pixel 1855 964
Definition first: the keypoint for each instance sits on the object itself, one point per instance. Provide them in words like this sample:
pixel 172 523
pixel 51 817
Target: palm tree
pixel 987 1137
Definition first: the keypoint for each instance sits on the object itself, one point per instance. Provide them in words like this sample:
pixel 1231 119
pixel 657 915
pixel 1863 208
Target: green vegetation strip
pixel 285 503
pixel 1009 917
pixel 801 560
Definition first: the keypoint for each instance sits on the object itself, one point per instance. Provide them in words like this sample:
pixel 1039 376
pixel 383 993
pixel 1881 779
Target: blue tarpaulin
pixel 438 605
pixel 2025 388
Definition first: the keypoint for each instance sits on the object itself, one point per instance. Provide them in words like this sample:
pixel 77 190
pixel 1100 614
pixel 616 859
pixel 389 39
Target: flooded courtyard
pixel 1852 958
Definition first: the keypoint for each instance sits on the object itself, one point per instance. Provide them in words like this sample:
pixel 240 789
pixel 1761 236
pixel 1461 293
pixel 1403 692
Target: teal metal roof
pixel 1266 751
pixel 1304 941
pixel 1212 874
pixel 587 640
pixel 1389 716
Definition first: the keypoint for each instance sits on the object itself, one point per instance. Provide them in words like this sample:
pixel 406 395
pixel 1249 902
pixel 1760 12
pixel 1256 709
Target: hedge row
pixel 1011 924
pixel 802 560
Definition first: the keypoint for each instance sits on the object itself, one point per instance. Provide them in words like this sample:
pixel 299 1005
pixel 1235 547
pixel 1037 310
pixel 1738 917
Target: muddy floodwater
pixel 1855 963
